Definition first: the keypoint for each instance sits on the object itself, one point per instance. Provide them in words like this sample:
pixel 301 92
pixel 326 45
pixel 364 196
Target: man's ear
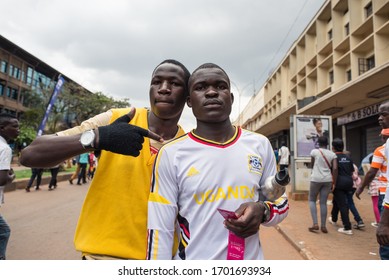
pixel 232 98
pixel 188 102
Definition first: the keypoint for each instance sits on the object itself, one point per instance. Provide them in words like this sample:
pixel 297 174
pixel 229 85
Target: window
pixel 8 92
pixel 348 75
pixel 368 10
pixel 14 94
pixel 16 73
pixel 365 64
pixel 331 77
pixel 30 71
pixel 347 29
pixel 1 89
pixel 11 69
pixel 330 34
pixel 3 66
pixel 370 61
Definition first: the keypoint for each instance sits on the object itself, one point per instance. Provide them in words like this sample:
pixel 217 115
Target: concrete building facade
pixel 339 67
pixel 21 73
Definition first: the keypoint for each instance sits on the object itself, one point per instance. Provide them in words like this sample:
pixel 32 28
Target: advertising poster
pixel 308 130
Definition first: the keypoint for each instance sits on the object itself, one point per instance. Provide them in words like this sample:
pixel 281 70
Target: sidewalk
pixel 362 245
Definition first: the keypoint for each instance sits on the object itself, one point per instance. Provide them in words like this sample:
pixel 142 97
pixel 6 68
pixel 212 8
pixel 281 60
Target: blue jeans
pixel 5 232
pixel 380 202
pixel 351 205
pixel 384 252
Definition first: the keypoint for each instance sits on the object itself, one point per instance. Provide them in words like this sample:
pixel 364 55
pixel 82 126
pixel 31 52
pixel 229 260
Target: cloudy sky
pixel 113 46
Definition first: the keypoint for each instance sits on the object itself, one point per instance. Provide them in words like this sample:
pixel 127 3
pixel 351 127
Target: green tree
pixel 26 135
pixel 73 105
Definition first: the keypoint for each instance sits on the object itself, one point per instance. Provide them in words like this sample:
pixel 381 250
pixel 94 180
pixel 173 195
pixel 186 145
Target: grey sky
pixel 113 46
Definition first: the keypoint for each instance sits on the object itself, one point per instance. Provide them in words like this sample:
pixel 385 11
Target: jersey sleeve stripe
pixel 154 197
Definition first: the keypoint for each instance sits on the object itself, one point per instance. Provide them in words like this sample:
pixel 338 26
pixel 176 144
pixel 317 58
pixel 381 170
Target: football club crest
pixel 255 164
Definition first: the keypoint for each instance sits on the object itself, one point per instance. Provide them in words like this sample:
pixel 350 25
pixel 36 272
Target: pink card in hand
pixel 236 244
pixel 227 214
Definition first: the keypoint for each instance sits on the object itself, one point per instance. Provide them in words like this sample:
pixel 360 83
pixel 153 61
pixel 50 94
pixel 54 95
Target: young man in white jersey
pixel 215 166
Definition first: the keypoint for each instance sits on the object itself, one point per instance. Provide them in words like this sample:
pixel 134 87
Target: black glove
pixel 121 137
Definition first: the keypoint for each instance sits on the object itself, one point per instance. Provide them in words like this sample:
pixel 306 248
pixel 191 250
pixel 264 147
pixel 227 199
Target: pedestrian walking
pixel 84 159
pixel 283 155
pixel 76 161
pixel 9 130
pixel 323 177
pixel 53 180
pixel 343 189
pixel 36 173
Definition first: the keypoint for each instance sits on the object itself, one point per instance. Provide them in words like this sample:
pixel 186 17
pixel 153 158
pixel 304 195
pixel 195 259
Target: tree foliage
pixel 73 105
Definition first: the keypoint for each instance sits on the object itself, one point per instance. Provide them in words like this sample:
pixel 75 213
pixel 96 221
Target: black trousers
pixel 340 205
pixel 82 174
pixel 53 180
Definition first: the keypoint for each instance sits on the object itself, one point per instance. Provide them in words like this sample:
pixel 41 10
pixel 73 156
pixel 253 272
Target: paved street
pixel 43 224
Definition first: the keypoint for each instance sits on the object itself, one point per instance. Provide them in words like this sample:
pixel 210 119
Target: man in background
pixel 382 233
pixel 9 130
pixel 283 155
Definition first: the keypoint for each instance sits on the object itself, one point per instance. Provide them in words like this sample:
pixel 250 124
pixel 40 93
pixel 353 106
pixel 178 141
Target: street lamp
pixel 240 92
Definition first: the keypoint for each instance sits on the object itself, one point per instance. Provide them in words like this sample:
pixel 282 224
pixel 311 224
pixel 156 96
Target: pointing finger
pixel 149 134
pixel 154 136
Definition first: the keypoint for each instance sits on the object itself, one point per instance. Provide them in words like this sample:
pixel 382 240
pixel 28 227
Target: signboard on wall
pixel 307 131
pixel 360 114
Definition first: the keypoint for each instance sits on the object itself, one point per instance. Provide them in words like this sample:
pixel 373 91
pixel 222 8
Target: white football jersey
pixel 192 178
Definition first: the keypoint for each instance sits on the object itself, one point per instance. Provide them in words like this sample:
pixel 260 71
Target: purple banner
pixel 56 91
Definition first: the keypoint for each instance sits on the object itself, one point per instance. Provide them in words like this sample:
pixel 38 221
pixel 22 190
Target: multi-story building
pixel 20 74
pixel 339 66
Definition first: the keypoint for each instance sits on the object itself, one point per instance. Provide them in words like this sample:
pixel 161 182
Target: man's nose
pixel 211 91
pixel 165 87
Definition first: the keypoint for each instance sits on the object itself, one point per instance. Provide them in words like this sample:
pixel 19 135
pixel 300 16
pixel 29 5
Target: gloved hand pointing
pixel 123 138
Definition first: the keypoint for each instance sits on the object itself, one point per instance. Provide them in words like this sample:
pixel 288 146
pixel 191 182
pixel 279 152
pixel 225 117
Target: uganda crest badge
pixel 255 164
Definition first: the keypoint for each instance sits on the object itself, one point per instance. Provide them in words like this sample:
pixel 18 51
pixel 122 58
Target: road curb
pixel 299 246
pixel 22 183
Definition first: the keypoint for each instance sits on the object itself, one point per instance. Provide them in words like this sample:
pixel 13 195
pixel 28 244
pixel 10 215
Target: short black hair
pixel 322 140
pixel 315 120
pixel 385 106
pixel 5 118
pixel 209 65
pixel 338 144
pixel 182 66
